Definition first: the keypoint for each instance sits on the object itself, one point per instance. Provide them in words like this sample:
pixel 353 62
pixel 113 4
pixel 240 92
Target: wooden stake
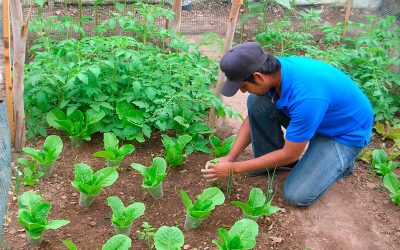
pixel 20 35
pixel 347 16
pixel 230 32
pixel 7 68
pixel 177 9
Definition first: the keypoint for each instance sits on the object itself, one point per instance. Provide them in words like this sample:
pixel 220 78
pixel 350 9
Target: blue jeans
pixel 324 161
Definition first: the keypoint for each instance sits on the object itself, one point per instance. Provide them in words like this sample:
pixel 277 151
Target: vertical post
pixel 347 16
pixel 177 9
pixel 20 35
pixel 7 67
pixel 230 32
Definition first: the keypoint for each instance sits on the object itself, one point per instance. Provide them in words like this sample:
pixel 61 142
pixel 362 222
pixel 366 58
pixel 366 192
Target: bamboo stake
pixel 347 16
pixel 20 34
pixel 7 68
pixel 230 32
pixel 177 9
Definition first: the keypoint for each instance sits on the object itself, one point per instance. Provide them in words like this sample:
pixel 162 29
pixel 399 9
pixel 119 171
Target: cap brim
pixel 230 88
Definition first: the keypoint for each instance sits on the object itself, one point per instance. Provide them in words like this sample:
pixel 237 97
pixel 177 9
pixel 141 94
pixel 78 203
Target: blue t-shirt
pixel 319 99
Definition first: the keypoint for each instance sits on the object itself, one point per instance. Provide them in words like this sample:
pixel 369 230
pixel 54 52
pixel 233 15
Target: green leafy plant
pixel 388 132
pixel 112 152
pixel 31 173
pixel 202 207
pixel 168 238
pixel 78 125
pixel 222 148
pixel 45 158
pixel 32 216
pixel 174 149
pixel 118 242
pixel 89 184
pixel 392 183
pixel 147 234
pixel 381 163
pixel 123 217
pixel 153 176
pixel 257 205
pixel 242 236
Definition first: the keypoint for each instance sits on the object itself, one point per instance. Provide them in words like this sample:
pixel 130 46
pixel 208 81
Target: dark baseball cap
pixel 239 63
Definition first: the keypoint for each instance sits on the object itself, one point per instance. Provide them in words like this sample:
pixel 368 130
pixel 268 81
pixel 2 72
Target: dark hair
pixel 270 67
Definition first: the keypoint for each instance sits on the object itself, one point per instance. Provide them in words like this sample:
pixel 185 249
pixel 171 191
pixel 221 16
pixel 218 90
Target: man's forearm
pixel 242 140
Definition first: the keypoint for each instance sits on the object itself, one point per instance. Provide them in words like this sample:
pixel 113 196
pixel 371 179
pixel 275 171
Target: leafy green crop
pixel 91 183
pixel 112 151
pixel 381 163
pixel 124 216
pixel 222 148
pixel 51 151
pixel 174 149
pixel 77 124
pixel 257 204
pixel 33 213
pixel 205 203
pixel 241 236
pixel 391 182
pixel 31 173
pixel 169 238
pixel 118 242
pixel 147 234
pixel 153 175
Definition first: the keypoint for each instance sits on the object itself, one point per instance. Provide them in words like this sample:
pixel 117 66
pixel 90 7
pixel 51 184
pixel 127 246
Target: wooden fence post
pixel 177 9
pixel 7 68
pixel 20 33
pixel 347 16
pixel 230 32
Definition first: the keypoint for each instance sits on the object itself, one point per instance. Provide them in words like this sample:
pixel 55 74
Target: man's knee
pixel 259 105
pixel 296 198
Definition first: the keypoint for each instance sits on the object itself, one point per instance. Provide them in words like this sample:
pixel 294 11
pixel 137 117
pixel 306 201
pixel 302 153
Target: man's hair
pixel 270 67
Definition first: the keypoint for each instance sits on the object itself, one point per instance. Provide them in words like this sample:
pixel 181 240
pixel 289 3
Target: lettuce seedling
pixel 222 148
pixel 174 149
pixel 203 206
pixel 241 236
pixel 381 163
pixel 78 125
pixel 32 215
pixel 51 151
pixel 392 183
pixel 153 176
pixel 257 205
pixel 31 174
pixel 89 184
pixel 112 152
pixel 169 238
pixel 122 217
pixel 118 242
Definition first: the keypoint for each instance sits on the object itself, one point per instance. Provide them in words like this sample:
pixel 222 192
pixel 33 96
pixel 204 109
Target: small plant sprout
pixel 122 217
pixel 32 216
pixel 90 184
pixel 392 183
pixel 118 242
pixel 112 152
pixel 257 205
pixel 169 238
pixel 381 163
pixel 78 125
pixel 70 245
pixel 153 176
pixel 147 234
pixel 241 236
pixel 31 174
pixel 45 158
pixel 222 148
pixel 199 210
pixel 174 149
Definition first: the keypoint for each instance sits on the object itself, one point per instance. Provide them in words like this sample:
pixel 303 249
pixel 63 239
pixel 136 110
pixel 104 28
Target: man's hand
pixel 218 170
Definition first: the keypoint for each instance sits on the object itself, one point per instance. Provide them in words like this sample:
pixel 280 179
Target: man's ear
pixel 259 76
